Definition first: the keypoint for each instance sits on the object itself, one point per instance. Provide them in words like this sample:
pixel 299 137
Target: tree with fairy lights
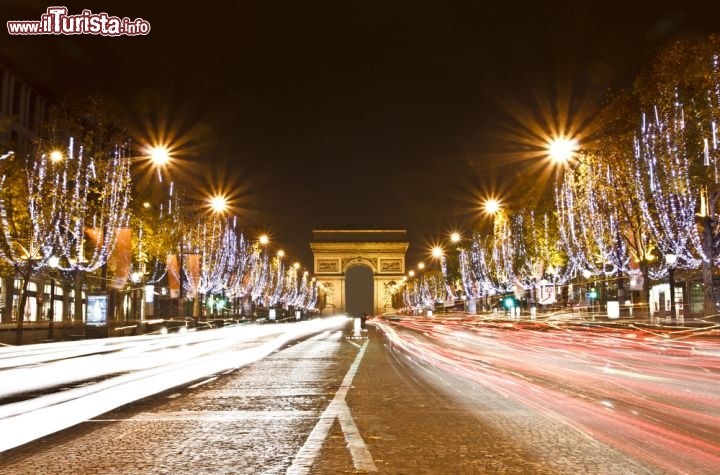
pixel 679 96
pixel 663 183
pixel 305 293
pixel 239 280
pixel 590 224
pixel 435 288
pixel 475 270
pixel 93 187
pixel 73 207
pixel 259 273
pixel 216 246
pixel 27 225
pixel 538 256
pixel 273 292
pixel 412 295
pixel 612 150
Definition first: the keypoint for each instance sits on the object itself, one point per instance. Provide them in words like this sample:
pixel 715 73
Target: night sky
pixel 377 113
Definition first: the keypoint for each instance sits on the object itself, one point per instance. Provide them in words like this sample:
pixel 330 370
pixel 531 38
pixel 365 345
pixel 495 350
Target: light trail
pixel 128 369
pixel 647 394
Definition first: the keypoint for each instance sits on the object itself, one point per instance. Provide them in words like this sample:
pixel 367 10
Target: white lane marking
pixel 362 459
pixel 202 382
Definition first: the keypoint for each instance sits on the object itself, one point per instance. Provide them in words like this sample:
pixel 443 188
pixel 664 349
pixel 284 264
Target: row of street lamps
pixel 561 151
pixel 160 158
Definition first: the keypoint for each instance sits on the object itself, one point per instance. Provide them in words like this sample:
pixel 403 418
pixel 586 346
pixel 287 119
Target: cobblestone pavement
pixel 256 419
pixel 417 421
pixel 251 420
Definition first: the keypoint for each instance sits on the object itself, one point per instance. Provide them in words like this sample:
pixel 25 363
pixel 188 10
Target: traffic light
pixel 509 302
pixel 593 293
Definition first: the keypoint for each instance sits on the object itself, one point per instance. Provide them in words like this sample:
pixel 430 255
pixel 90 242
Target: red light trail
pixel 652 394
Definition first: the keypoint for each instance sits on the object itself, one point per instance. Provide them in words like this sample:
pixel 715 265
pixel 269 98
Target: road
pixel 406 397
pixel 651 395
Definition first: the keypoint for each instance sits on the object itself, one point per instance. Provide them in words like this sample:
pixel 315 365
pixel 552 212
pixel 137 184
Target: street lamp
pixel 159 155
pixel 56 156
pixel 218 204
pixel 492 206
pixel 561 149
pixel 671 260
pixel 439 253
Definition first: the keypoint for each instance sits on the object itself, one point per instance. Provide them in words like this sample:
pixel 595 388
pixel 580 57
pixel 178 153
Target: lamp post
pixel 439 253
pixel 181 302
pixel 218 205
pixel 671 260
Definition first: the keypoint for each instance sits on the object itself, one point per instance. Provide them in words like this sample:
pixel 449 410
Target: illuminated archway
pixel 337 252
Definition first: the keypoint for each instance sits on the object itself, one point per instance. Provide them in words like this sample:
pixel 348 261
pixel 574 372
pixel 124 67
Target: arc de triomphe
pixel 335 251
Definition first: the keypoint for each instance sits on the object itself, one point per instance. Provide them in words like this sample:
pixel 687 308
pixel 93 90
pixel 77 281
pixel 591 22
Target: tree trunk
pixel 708 298
pixel 23 301
pixel 9 288
pixel 646 285
pixel 78 316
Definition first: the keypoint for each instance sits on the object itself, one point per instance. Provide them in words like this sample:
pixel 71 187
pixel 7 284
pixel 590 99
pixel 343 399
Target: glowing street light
pixel 281 253
pixel 56 156
pixel 159 155
pixel 492 206
pixel 437 252
pixel 218 204
pixel 455 237
pixel 561 150
pixel 264 239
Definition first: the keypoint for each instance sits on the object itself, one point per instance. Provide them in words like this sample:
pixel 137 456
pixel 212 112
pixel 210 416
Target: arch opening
pixel 359 291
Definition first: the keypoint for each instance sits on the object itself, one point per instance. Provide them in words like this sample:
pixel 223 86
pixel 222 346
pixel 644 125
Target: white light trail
pixel 147 366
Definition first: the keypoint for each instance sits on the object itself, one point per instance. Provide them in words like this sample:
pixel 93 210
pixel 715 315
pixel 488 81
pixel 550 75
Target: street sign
pixel 547 294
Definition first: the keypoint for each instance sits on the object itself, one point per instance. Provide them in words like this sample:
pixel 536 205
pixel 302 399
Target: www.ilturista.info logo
pixel 57 22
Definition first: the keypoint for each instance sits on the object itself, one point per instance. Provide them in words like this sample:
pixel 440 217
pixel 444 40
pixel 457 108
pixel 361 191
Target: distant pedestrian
pixel 363 317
